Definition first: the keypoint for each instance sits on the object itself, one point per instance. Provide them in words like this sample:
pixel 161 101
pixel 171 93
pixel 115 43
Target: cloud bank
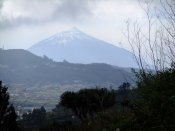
pixel 24 22
pixel 18 12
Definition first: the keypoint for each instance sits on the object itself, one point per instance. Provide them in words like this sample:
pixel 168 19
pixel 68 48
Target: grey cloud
pixel 1 5
pixel 43 11
pixel 74 9
pixel 1 1
pixel 5 23
pixel 68 10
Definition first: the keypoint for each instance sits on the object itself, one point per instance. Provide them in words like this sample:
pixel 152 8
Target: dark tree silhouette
pixel 155 108
pixel 35 119
pixel 7 111
pixel 88 102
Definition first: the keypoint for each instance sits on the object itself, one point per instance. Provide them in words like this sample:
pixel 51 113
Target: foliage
pixel 34 119
pixel 149 106
pixel 155 110
pixel 87 102
pixel 7 111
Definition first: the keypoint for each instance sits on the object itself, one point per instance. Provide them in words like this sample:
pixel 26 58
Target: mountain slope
pixel 22 67
pixel 78 47
pixel 35 81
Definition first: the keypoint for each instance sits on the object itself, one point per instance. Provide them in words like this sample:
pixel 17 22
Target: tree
pixel 35 119
pixel 7 111
pixel 155 108
pixel 87 102
pixel 153 44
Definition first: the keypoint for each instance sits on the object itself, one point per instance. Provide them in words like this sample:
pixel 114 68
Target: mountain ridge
pixel 22 67
pixel 37 81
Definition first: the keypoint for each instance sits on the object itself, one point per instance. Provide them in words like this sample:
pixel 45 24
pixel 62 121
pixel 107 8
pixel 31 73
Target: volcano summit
pixel 77 47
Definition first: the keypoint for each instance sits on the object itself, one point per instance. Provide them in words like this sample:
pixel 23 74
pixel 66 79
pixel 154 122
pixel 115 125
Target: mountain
pixel 35 81
pixel 77 47
pixel 19 66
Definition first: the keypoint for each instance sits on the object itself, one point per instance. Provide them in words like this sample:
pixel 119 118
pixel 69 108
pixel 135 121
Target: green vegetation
pixel 148 106
pixel 87 102
pixel 155 108
pixel 34 119
pixel 7 111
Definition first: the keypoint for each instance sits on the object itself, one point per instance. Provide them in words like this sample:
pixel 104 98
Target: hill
pixel 35 81
pixel 22 67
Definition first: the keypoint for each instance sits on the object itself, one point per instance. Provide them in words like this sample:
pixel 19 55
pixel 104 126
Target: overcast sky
pixel 25 22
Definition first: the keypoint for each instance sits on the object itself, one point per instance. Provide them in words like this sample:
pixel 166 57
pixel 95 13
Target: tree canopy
pixel 87 102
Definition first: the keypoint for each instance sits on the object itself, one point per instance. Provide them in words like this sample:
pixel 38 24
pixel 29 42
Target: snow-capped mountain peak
pixel 68 36
pixel 77 47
